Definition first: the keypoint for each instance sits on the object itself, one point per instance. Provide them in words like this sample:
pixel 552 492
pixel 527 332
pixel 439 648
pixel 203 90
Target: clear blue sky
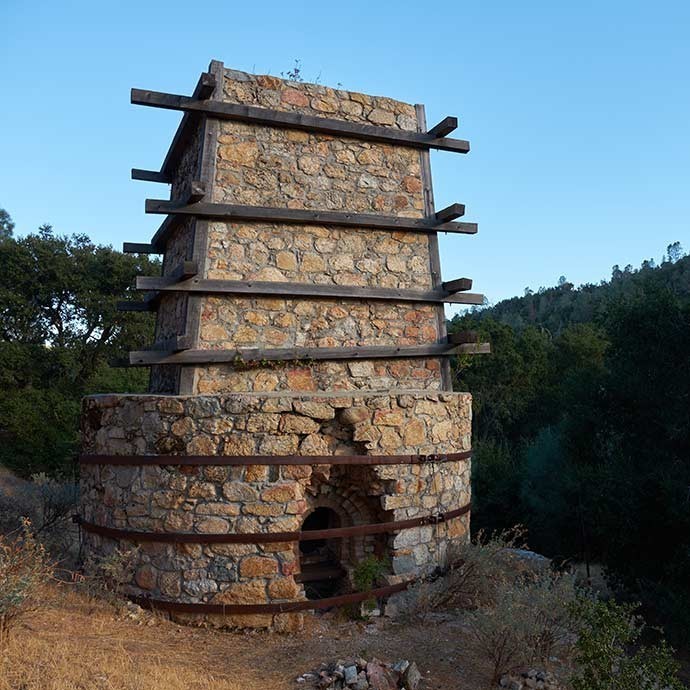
pixel 578 114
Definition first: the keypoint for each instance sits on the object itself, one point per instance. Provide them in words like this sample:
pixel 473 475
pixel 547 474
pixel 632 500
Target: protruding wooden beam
pixel 149 303
pixel 185 270
pixel 444 128
pixel 459 285
pixel 139 248
pixel 175 343
pixel 293 120
pixel 150 176
pixel 463 337
pixel 197 191
pixel 232 212
pixel 205 86
pixel 449 213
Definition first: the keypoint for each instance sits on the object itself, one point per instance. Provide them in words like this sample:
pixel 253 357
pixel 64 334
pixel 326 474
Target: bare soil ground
pixel 79 643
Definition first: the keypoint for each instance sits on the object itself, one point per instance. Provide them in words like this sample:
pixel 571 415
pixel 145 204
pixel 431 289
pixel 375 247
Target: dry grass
pixel 79 643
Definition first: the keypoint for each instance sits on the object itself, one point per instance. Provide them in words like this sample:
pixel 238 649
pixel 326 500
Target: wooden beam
pixel 444 128
pixel 258 288
pixel 450 213
pixel 463 337
pixel 148 304
pixel 184 271
pixel 459 285
pixel 203 90
pixel 293 120
pixel 197 192
pixel 232 212
pixel 175 343
pixel 145 358
pixel 205 86
pixel 139 248
pixel 150 176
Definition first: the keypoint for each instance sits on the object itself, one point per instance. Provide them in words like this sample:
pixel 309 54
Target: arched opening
pixel 321 569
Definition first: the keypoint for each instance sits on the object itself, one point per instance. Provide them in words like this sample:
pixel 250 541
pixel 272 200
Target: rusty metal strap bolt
pixel 435 519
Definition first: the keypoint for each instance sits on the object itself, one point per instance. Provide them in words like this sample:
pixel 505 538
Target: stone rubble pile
pixel 530 679
pixel 360 674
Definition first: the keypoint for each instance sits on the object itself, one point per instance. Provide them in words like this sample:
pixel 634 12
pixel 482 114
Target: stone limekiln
pixel 300 377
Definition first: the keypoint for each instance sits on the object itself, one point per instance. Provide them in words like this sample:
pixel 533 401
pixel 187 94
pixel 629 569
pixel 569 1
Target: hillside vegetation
pixel 582 425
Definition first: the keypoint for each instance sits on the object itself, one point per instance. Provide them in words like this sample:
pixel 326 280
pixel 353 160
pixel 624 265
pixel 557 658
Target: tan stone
pixel 389 417
pixel 201 445
pixel 263 509
pixel 286 261
pixel 238 444
pixel 314 445
pixel 297 424
pixel 253 592
pixel 294 97
pixel 312 263
pixel 212 525
pixel 256 473
pixel 258 566
pixel 301 379
pixel 282 493
pixel 381 117
pixel 414 432
pixel 316 410
pixel 229 509
pixel 239 491
pixel 202 490
pixel 283 588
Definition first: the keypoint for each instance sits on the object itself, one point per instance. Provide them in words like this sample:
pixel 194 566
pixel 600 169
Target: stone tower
pixel 301 415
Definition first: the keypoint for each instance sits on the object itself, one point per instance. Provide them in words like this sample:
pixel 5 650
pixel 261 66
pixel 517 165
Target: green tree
pixel 59 327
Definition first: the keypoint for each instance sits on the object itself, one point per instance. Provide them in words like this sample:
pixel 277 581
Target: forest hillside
pixel 582 425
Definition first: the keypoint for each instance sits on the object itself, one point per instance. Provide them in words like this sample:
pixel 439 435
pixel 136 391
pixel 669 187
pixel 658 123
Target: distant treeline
pixel 582 425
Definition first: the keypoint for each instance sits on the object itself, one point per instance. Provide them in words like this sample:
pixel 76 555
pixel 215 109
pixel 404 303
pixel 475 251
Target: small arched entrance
pixel 321 569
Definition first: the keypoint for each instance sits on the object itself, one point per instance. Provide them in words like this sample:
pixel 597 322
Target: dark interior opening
pixel 321 570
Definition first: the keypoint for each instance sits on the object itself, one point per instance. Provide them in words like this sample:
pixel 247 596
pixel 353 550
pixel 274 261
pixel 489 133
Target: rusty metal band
pixel 86 459
pixel 270 538
pixel 286 607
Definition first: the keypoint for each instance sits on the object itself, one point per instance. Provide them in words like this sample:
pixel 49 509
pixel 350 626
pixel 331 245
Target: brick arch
pixel 346 494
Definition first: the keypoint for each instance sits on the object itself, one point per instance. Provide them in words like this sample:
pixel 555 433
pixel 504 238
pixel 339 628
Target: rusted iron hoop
pixel 286 607
pixel 88 459
pixel 309 535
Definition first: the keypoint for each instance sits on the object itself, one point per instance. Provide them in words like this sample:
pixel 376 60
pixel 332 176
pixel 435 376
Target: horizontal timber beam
pixel 139 248
pixel 150 176
pixel 251 287
pixel 445 127
pixel 145 358
pixel 459 285
pixel 450 213
pixel 232 212
pixel 148 304
pixel 293 120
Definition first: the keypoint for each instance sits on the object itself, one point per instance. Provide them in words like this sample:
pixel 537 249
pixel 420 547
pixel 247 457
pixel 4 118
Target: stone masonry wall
pixel 264 166
pixel 261 498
